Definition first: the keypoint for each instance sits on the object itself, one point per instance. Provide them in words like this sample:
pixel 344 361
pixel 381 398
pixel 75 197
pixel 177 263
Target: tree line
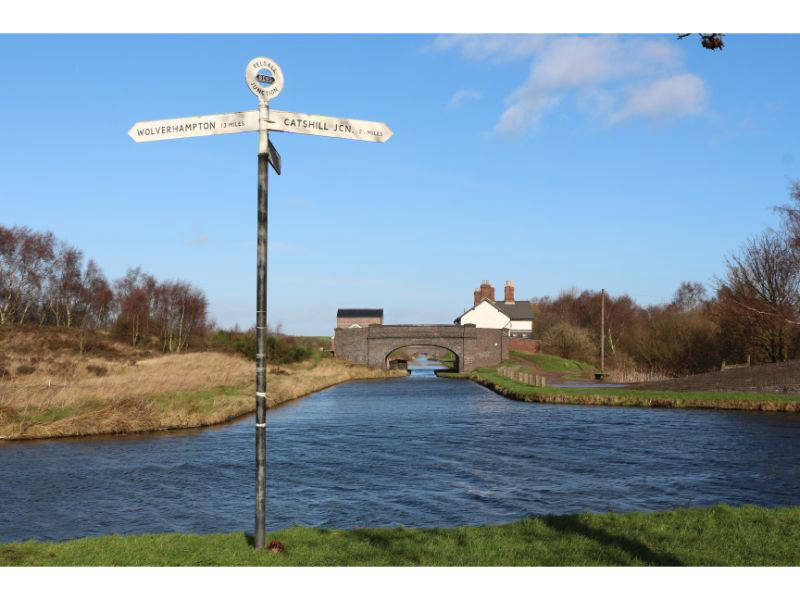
pixel 44 281
pixel 752 313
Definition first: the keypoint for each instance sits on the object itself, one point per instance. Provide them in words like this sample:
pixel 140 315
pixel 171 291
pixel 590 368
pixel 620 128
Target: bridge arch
pixel 426 345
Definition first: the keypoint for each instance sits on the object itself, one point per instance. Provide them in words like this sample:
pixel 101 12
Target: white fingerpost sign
pixel 264 78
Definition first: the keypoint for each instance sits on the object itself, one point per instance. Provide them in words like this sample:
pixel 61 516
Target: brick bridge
pixel 474 347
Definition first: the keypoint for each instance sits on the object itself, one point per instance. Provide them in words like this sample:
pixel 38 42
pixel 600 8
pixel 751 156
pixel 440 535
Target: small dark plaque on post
pixel 274 158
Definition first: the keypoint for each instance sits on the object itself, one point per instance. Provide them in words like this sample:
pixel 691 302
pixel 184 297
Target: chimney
pixel 509 292
pixel 487 291
pixel 477 296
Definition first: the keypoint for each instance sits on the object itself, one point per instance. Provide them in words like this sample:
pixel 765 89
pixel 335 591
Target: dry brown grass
pixel 55 392
pixel 631 375
pixel 186 390
pixel 304 378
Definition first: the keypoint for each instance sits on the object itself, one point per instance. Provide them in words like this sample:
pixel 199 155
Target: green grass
pixel 720 535
pixel 550 362
pixel 49 415
pixel 200 401
pixel 634 397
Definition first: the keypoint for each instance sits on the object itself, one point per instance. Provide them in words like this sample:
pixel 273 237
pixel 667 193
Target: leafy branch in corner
pixel 710 41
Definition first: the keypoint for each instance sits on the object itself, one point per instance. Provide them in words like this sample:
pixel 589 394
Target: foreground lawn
pixel 517 390
pixel 721 535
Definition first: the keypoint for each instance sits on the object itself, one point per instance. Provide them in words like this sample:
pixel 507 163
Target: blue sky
pixel 626 162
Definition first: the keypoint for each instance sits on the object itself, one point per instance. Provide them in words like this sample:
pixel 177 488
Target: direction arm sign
pixel 185 127
pixel 241 122
pixel 350 129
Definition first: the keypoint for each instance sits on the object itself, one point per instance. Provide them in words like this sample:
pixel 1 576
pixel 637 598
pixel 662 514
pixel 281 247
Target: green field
pixel 550 362
pixel 721 535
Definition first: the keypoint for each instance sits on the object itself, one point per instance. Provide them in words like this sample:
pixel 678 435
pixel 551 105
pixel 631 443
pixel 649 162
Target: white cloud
pixel 497 48
pixel 461 95
pixel 577 61
pixel 611 78
pixel 525 112
pixel 676 96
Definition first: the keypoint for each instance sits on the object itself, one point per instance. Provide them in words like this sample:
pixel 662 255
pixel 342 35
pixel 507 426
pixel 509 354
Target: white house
pixel 485 315
pixel 514 315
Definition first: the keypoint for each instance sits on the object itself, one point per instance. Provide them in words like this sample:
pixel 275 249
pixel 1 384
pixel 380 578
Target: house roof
pixel 359 312
pixel 521 310
pixel 471 308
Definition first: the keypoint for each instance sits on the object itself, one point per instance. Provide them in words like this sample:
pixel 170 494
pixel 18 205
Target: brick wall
pixel 351 345
pixel 524 345
pixel 345 322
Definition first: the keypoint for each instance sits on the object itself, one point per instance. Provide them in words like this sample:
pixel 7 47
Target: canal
pixel 419 451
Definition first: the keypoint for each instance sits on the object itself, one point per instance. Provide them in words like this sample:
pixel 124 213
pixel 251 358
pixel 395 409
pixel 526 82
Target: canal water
pixel 419 451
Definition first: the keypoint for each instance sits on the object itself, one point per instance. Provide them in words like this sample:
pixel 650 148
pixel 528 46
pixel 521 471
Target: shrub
pixel 569 341
pixel 280 349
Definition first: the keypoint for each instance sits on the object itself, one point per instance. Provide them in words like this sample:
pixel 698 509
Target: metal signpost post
pixel 265 79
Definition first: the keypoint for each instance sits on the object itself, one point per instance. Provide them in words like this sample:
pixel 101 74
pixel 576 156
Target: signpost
pixel 265 79
pixel 240 122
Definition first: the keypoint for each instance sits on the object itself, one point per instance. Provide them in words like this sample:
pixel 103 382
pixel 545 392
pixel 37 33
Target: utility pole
pixel 603 332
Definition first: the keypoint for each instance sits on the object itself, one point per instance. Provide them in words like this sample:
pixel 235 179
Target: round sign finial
pixel 264 78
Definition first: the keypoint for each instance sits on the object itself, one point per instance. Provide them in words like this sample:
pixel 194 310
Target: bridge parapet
pixel 421 331
pixel 475 347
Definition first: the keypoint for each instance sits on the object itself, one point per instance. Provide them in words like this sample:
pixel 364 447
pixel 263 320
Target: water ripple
pixel 420 451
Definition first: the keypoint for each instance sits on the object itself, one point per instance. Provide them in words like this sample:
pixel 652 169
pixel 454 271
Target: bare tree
pixel 179 310
pixel 134 294
pixel 64 284
pixel 690 295
pixel 24 260
pixel 96 299
pixel 760 293
pixel 791 215
pixel 9 271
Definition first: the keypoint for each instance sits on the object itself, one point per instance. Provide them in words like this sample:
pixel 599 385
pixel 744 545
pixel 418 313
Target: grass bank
pixel 178 391
pixel 490 378
pixel 553 364
pixel 720 535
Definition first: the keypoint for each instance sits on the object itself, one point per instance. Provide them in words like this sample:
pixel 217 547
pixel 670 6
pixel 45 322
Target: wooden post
pixel 603 331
